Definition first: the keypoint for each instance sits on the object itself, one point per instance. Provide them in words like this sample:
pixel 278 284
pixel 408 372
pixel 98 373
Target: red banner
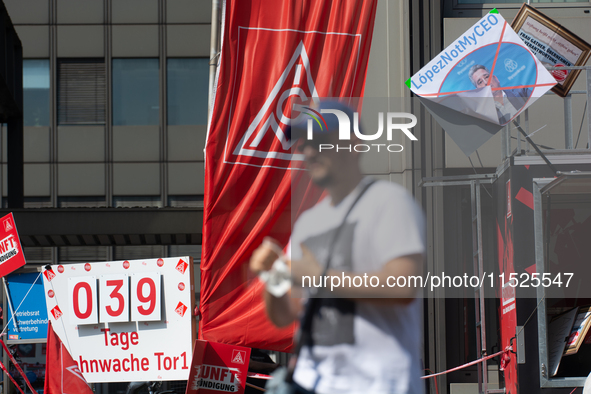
pixel 272 52
pixel 62 374
pixel 11 252
pixel 217 367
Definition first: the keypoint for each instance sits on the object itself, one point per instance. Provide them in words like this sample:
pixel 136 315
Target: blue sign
pixel 30 320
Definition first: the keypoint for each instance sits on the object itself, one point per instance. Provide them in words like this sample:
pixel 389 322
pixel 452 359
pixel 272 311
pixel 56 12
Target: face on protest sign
pixel 488 73
pixel 125 320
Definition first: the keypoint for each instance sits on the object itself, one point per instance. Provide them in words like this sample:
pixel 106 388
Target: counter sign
pixel 11 252
pixel 124 320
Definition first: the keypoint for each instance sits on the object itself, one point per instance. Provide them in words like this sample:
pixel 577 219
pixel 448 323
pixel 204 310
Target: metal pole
pixel 568 122
pixel 542 155
pixel 503 143
pixel 526 114
pixel 519 138
pixel 213 51
pixel 482 349
pixel 588 109
pixel 4 355
pixel 508 140
pixel 3 130
pixel 12 311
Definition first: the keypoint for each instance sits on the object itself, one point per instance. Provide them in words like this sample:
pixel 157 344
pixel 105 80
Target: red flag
pixel 62 375
pixel 272 52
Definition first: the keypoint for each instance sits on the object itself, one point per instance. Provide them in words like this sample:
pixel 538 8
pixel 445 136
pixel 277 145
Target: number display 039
pixel 120 298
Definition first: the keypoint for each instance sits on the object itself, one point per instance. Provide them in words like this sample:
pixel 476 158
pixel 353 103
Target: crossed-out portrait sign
pixel 125 320
pixel 488 73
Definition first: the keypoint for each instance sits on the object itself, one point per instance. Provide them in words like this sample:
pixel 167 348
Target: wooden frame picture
pixel 553 45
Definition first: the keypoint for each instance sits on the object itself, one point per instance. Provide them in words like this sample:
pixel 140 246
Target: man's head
pixel 327 165
pixel 479 75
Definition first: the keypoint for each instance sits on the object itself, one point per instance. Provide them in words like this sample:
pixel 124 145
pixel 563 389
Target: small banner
pixel 11 252
pixel 488 73
pixel 217 367
pixel 62 374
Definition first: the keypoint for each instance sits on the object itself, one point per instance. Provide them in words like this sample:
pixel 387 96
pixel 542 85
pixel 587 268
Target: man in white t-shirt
pixel 365 335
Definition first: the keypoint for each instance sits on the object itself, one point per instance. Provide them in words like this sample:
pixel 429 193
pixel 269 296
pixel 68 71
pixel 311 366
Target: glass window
pixel 187 88
pixel 81 93
pixel 77 254
pixel 36 92
pixel 138 252
pixel 135 92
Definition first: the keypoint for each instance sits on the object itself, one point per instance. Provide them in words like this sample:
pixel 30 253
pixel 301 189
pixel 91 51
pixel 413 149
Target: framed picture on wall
pixel 553 44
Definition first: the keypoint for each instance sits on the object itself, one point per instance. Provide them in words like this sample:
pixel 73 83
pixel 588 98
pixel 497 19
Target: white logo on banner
pixel 511 65
pixel 238 356
pixel 75 371
pixel 277 118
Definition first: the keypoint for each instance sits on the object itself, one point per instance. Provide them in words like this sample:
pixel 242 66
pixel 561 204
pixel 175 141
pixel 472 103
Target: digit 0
pixel 88 311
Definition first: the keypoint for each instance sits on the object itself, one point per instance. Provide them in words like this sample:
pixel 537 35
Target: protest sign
pixel 30 320
pixel 218 367
pixel 11 252
pixel 553 44
pixel 125 321
pixel 488 73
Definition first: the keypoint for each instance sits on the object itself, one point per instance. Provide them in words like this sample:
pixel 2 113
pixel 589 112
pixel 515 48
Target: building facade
pixel 115 114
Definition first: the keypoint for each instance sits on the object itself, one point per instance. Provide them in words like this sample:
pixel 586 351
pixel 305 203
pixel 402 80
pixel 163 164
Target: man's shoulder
pixel 384 192
pixel 389 187
pixel 379 193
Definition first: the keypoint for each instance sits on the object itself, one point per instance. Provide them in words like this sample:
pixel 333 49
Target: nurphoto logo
pixel 393 123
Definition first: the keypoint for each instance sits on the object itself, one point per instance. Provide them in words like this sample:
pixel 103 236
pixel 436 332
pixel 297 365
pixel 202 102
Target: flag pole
pixel 12 311
pixel 213 52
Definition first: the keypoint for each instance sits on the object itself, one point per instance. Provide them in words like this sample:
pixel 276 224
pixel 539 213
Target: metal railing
pixel 506 145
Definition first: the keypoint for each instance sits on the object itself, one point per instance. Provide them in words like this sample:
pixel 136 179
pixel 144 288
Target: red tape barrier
pixel 11 378
pixel 506 351
pixel 18 367
pixel 255 375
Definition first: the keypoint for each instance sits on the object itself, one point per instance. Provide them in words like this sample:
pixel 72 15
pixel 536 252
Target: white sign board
pixel 488 73
pixel 125 321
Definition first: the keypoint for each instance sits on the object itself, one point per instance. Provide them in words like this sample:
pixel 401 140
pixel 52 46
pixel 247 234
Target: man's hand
pixel 307 266
pixel 283 310
pixel 264 256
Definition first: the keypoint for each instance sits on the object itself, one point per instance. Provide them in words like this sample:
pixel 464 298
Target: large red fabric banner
pixel 272 52
pixel 62 375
